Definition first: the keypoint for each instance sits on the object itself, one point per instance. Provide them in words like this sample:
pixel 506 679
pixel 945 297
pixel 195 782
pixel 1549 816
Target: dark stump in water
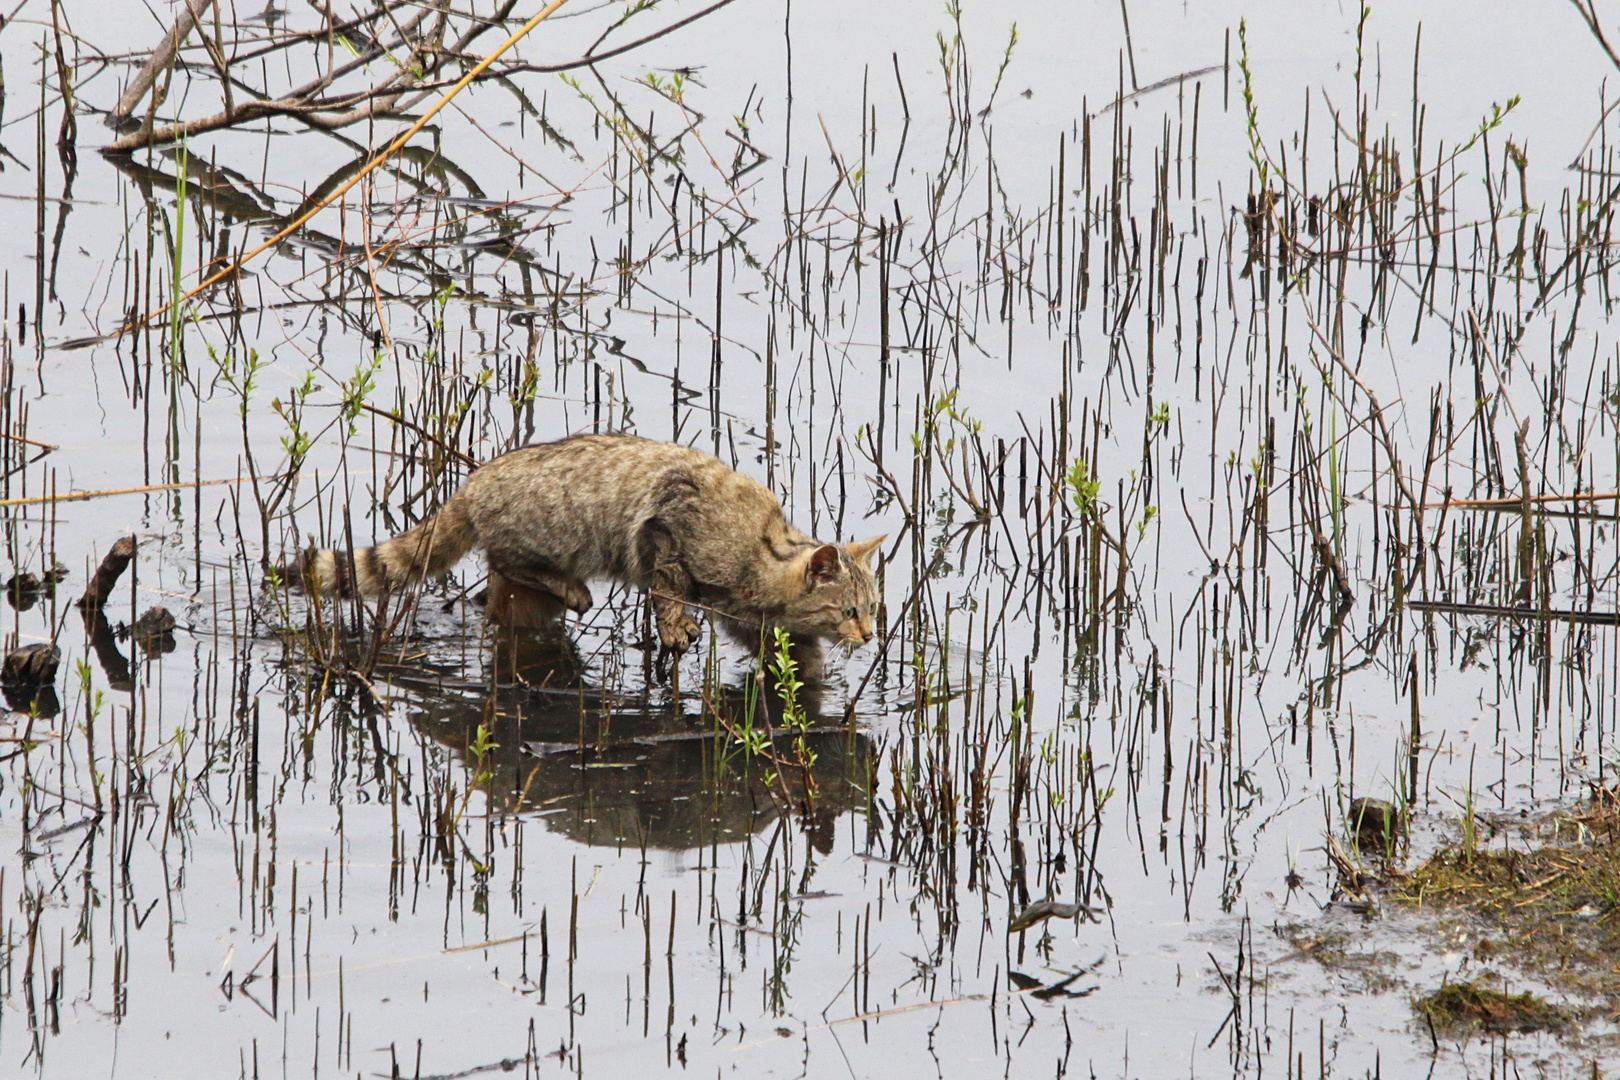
pixel 1374 822
pixel 28 678
pixel 154 631
pixel 24 590
pixel 107 574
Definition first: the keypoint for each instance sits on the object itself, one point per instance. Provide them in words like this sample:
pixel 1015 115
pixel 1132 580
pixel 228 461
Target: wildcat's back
pixel 665 517
pixel 581 507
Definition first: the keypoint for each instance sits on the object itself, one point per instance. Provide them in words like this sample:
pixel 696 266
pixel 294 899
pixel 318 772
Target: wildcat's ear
pixel 822 566
pixel 861 550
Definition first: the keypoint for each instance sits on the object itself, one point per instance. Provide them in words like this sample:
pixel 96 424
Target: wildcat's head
pixel 840 600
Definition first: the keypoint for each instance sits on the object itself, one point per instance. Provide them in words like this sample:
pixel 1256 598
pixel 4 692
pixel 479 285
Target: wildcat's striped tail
pixel 430 548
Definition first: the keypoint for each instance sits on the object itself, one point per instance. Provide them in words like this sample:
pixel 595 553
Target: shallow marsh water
pixel 1154 549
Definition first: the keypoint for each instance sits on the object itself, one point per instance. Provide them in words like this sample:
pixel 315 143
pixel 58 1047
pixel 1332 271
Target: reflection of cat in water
pixel 608 770
pixel 672 520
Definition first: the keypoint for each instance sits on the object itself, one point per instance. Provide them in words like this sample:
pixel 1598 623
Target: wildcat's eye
pixel 851 613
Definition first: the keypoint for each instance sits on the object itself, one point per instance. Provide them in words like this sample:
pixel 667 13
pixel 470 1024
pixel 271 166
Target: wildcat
pixel 664 517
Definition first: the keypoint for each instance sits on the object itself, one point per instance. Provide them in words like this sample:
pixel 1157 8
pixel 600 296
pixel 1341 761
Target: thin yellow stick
pixel 461 84
pixel 29 442
pixel 74 496
pixel 483 945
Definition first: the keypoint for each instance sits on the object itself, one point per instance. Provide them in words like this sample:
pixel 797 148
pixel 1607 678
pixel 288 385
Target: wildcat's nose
pixel 867 636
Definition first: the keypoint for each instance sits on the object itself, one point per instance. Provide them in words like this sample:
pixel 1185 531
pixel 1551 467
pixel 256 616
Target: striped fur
pixel 430 548
pixel 669 519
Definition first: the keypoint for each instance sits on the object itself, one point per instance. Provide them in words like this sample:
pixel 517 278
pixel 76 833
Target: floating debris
pixel 24 590
pixel 1041 910
pixel 31 666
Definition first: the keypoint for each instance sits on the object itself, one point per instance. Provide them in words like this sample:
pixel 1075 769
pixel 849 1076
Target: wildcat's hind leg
pixel 670 585
pixel 516 606
pixel 570 590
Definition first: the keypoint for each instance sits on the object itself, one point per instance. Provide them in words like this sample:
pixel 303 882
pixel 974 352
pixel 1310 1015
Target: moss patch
pixel 1468 1005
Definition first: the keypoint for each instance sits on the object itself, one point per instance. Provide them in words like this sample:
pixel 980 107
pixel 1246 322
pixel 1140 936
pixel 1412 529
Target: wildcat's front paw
pixel 677 631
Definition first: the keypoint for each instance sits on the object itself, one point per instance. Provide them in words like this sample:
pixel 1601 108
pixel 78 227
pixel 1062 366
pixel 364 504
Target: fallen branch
pixel 464 458
pixel 347 109
pixel 300 100
pixel 1174 80
pixel 1330 559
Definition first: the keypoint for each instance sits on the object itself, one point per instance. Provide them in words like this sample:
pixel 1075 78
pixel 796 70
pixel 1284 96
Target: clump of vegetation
pixel 1468 1005
pixel 1548 908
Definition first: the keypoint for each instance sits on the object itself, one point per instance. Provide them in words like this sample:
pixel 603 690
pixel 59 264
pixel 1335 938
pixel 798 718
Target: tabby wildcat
pixel 664 517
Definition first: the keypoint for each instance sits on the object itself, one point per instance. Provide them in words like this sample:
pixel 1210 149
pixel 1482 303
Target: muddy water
pixel 1159 459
